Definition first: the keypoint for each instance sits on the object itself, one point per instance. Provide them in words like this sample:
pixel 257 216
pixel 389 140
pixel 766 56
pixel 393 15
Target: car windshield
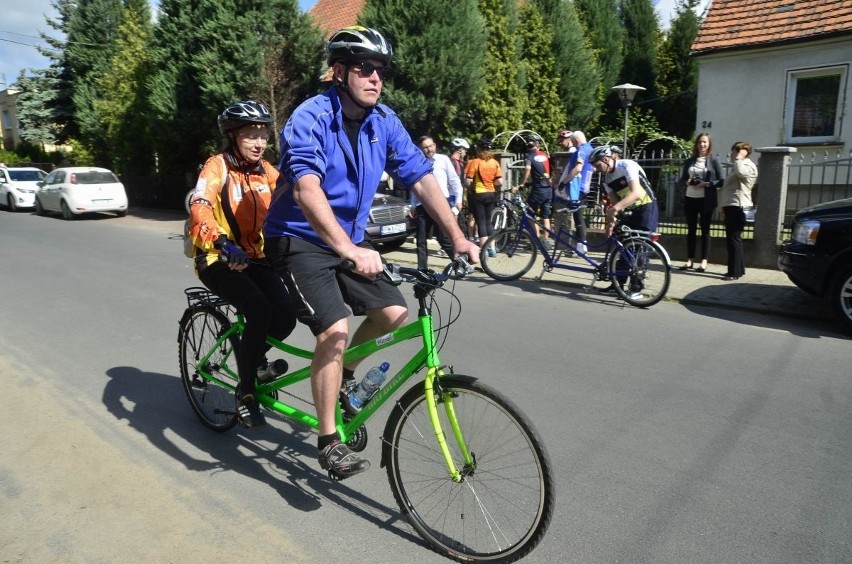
pixel 26 175
pixel 94 177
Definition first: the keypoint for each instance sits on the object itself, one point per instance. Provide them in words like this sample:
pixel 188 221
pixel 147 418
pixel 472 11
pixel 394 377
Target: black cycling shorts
pixel 320 289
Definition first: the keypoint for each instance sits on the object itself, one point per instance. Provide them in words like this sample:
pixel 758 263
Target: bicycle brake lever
pixel 391 274
pixel 461 267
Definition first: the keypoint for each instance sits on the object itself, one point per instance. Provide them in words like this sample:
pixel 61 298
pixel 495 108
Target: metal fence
pixel 815 178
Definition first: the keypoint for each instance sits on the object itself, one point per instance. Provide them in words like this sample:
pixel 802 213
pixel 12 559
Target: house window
pixel 7 121
pixel 814 104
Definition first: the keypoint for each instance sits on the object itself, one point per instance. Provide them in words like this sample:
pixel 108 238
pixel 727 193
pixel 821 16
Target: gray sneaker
pixel 341 462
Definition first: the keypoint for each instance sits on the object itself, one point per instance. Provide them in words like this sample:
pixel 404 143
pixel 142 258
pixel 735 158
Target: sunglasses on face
pixel 366 70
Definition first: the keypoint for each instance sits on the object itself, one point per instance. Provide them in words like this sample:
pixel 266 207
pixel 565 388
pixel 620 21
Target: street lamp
pixel 626 92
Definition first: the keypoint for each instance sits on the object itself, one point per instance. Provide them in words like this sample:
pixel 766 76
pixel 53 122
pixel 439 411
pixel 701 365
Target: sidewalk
pixel 760 290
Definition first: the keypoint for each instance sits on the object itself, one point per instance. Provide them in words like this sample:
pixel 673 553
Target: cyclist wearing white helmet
pixel 334 149
pixel 628 189
pixel 227 210
pixel 459 147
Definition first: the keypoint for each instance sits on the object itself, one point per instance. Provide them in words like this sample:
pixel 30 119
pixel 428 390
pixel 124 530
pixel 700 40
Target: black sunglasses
pixel 366 70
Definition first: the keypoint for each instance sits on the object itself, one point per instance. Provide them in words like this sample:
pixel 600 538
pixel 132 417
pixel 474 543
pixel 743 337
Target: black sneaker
pixel 609 290
pixel 248 411
pixel 341 462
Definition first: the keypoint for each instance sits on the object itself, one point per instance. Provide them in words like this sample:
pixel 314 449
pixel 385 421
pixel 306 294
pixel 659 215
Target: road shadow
pixel 575 291
pixel 766 305
pixel 280 455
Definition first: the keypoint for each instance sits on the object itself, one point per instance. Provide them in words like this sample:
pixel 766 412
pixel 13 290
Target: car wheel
pixel 10 202
pixel 121 213
pixel 39 208
pixel 66 212
pixel 840 297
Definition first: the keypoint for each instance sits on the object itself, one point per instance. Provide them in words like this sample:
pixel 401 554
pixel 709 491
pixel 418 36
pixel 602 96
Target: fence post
pixel 772 176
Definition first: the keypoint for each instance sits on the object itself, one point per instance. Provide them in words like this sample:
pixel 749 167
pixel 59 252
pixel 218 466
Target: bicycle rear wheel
pixel 502 507
pixel 212 400
pixel 515 253
pixel 641 271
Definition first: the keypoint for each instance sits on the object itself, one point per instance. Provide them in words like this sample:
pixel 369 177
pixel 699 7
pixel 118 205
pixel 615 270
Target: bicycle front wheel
pixel 514 254
pixel 641 272
pixel 209 381
pixel 501 508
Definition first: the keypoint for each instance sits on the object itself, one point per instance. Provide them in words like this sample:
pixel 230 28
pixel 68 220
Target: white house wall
pixel 741 94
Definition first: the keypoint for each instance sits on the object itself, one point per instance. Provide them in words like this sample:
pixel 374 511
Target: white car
pixel 82 189
pixel 18 186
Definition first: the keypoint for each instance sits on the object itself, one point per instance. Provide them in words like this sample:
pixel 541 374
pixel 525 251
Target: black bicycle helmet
pixel 243 113
pixel 533 140
pixel 599 153
pixel 356 43
pixel 485 143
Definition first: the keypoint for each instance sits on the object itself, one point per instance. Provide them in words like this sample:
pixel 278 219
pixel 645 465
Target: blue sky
pixel 23 20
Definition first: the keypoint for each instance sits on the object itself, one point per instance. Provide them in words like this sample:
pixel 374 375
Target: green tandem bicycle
pixel 466 467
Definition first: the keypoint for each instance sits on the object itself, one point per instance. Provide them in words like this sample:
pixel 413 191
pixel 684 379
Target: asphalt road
pixel 678 435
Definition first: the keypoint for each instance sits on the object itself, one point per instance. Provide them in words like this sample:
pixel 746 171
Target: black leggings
pixel 260 295
pixel 483 204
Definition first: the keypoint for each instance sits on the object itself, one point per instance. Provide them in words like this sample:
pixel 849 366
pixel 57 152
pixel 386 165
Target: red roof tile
pixel 736 24
pixel 331 15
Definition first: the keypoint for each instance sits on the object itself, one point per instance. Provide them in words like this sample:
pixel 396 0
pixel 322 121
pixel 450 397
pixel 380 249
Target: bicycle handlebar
pixel 396 274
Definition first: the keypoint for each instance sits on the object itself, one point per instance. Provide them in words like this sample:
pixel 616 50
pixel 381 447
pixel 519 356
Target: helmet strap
pixel 344 88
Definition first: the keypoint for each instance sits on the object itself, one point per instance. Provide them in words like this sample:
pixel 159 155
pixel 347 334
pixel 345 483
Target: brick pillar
pixel 772 173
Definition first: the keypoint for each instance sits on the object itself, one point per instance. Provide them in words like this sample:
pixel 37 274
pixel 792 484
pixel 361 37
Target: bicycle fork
pixel 434 396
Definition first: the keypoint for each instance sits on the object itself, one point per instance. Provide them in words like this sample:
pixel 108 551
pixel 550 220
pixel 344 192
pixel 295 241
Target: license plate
pixel 101 201
pixel 391 229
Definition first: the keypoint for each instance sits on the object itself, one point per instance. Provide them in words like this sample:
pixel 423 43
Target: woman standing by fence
pixel 701 175
pixel 733 197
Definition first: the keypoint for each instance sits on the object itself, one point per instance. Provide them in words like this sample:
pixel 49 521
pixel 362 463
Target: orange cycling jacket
pixel 238 211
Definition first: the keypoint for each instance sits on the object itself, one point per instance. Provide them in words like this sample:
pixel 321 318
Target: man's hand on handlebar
pixel 462 246
pixel 368 262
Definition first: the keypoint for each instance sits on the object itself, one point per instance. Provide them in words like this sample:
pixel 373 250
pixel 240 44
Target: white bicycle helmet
pixel 599 153
pixel 459 143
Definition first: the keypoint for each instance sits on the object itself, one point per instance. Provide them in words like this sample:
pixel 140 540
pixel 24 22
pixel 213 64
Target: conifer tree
pixel 501 104
pixel 576 64
pixel 640 48
pixel 36 114
pixel 208 54
pixel 122 108
pixel 545 113
pixel 606 34
pixel 437 62
pixel 678 80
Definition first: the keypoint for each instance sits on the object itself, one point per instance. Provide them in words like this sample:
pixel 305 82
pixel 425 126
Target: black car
pixel 389 225
pixel 819 257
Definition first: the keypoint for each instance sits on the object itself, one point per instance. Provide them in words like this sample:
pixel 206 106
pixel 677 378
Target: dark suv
pixel 819 257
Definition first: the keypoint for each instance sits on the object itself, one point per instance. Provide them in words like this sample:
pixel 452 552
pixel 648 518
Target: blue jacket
pixel 313 142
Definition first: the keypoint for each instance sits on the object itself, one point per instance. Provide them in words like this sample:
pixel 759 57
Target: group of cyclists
pixel 287 242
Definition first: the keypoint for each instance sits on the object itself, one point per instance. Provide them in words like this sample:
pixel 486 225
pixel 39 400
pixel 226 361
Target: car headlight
pixel 806 232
